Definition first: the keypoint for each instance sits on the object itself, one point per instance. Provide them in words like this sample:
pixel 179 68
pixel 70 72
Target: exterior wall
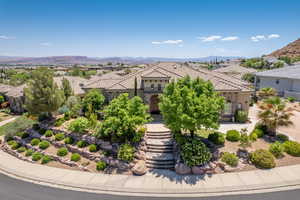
pixel 296 85
pixel 280 84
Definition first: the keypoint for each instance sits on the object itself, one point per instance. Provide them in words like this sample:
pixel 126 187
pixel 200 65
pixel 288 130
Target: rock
pixel 198 170
pixel 106 146
pixel 212 165
pixel 140 155
pixel 182 169
pixel 139 168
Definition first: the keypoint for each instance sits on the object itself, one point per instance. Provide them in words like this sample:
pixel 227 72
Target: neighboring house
pixel 151 81
pixel 285 80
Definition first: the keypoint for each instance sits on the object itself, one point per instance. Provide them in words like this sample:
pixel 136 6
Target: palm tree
pixel 274 113
pixel 267 92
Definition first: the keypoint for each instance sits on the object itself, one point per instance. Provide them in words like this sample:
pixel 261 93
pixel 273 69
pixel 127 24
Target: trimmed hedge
pixel 101 165
pixel 37 156
pixel 69 140
pixel 44 144
pixel 82 144
pixel 46 159
pixel 62 152
pixel 48 133
pixel 75 157
pixel 258 132
pixel 29 152
pixel 217 138
pixel 292 148
pixel 35 141
pixel 59 136
pixel 233 135
pixel 126 152
pixel 93 148
pixel 263 159
pixel 277 149
pixel 21 149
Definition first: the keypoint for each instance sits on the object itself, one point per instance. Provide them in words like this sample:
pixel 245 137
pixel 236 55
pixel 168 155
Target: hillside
pixel 291 50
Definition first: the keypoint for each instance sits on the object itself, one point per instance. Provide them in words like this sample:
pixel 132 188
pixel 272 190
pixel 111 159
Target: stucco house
pixel 150 81
pixel 285 80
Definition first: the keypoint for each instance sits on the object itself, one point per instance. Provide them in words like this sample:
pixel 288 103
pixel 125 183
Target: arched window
pixel 159 87
pixel 228 108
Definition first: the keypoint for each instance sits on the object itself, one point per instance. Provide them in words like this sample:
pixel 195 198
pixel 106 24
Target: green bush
pixel 259 133
pixel 82 144
pixel 217 138
pixel 62 152
pixel 277 149
pixel 233 135
pixel 79 125
pixel 195 152
pixel 75 157
pixel 263 159
pixel 44 144
pixel 93 148
pixel 23 135
pixel 21 149
pixel 11 142
pixel 261 127
pixel 42 131
pixel 67 116
pixel 35 141
pixel 48 133
pixel 46 159
pixel 36 127
pixel 230 159
pixel 241 116
pixel 282 137
pixel 15 146
pixel 59 136
pixel 292 148
pixel 69 140
pixel 20 124
pixel 291 99
pixel 253 136
pixel 37 156
pixel 29 152
pixel 101 165
pixel 59 122
pixel 126 152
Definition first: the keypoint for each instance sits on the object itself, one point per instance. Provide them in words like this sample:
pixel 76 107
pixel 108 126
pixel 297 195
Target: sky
pixel 147 28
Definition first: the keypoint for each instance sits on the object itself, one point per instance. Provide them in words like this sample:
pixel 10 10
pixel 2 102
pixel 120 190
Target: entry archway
pixel 154 108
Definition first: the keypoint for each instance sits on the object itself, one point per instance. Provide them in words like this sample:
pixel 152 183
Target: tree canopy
pixel 189 105
pixel 42 94
pixel 93 101
pixel 66 87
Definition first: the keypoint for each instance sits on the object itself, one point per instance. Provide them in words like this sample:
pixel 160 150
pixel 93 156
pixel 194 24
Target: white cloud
pixel 4 37
pixel 46 44
pixel 230 38
pixel 168 42
pixel 272 36
pixel 210 38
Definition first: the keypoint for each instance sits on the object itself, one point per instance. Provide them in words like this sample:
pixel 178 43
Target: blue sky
pixel 160 28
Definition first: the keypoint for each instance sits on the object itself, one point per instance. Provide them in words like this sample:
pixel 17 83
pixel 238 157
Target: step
pixel 159 137
pixel 158 132
pixel 160 150
pixel 153 162
pixel 150 166
pixel 160 156
pixel 160 142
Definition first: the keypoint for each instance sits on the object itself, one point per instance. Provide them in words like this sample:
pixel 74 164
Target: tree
pixel 267 92
pixel 274 113
pixel 123 116
pixel 190 105
pixel 249 77
pixel 94 99
pixel 66 87
pixel 42 94
pixel 135 86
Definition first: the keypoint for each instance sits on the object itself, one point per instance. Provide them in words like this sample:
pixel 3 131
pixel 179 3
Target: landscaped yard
pixel 4 116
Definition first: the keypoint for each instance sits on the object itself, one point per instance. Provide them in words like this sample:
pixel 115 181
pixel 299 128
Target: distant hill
pixel 96 60
pixel 291 50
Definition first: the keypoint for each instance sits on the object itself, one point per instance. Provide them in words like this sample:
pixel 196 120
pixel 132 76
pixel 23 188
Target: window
pixel 228 108
pixel 277 81
pixel 239 106
pixel 152 86
pixel 159 87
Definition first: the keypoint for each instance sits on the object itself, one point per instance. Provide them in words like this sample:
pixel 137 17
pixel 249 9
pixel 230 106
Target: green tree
pixel 93 99
pixel 274 113
pixel 42 94
pixel 190 105
pixel 267 92
pixel 66 87
pixel 123 116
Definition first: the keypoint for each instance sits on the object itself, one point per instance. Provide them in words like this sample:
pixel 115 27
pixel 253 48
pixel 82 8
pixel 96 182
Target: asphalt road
pixel 13 189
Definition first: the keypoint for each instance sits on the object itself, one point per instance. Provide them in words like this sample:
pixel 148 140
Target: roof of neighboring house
pixel 75 82
pixel 235 71
pixel 291 72
pixel 174 71
pixel 12 91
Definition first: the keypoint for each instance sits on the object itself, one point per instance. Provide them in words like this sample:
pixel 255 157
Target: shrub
pixel 67 116
pixel 69 140
pixel 241 116
pixel 101 165
pixel 15 146
pixel 93 148
pixel 139 134
pixel 62 151
pixel 263 159
pixel 23 135
pixel 21 149
pixel 44 144
pixel 253 136
pixel 292 148
pixel 79 125
pixel 59 136
pixel 59 122
pixel 195 152
pixel 18 125
pixel 217 138
pixel 11 142
pixel 291 99
pixel 42 131
pixel 282 137
pixel 37 156
pixel 126 152
pixel 46 159
pixel 48 133
pixel 63 109
pixel 233 135
pixel 230 159
pixel 35 141
pixel 245 140
pixel 82 144
pixel 261 127
pixel 36 127
pixel 29 152
pixel 258 132
pixel 277 149
pixel 75 157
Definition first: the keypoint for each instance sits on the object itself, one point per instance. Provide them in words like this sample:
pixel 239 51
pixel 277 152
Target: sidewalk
pixel 156 183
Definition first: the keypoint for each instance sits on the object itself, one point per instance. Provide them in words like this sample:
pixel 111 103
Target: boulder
pixel 106 146
pixel 182 169
pixel 141 155
pixel 198 170
pixel 139 168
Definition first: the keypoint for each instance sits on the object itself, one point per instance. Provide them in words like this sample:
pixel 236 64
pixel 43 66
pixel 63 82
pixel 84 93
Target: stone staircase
pixel 159 153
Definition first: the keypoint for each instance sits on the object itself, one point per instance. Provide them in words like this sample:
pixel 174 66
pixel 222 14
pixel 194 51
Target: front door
pixel 154 100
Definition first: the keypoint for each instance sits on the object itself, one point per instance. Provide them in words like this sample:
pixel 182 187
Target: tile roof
pixel 75 82
pixel 291 72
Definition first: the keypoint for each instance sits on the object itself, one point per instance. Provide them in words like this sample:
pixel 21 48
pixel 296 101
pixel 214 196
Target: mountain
pixel 290 50
pixel 52 60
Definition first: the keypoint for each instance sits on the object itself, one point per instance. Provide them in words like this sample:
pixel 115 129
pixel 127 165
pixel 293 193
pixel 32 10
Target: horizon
pixel 168 29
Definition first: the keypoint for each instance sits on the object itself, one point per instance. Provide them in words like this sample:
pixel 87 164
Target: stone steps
pixel 160 156
pixel 159 142
pixel 159 137
pixel 150 166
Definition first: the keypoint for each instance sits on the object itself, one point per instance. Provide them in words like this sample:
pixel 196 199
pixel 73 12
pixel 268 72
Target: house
pixel 149 82
pixel 285 80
